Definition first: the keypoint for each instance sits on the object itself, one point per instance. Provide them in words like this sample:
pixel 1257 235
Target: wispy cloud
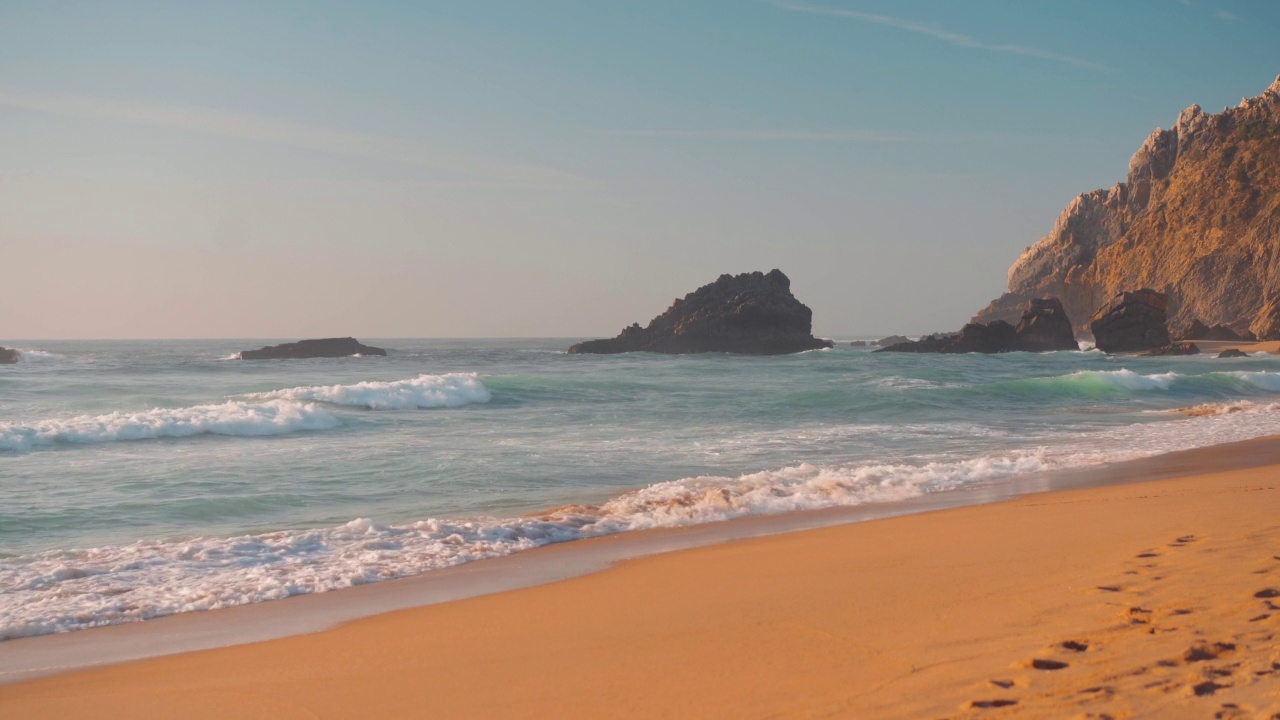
pixel 933 31
pixel 1225 15
pixel 763 135
pixel 289 133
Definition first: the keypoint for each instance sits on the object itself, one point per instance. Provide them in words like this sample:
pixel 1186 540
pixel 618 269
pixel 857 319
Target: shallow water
pixel 139 479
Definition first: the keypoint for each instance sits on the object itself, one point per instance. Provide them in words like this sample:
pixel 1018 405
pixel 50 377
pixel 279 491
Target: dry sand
pixel 1217 346
pixel 1150 600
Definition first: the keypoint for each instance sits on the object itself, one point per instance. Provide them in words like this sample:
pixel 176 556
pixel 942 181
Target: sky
pixel 501 168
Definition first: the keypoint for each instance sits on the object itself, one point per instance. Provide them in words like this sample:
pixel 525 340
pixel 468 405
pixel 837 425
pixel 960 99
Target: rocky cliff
pixel 1198 219
pixel 752 313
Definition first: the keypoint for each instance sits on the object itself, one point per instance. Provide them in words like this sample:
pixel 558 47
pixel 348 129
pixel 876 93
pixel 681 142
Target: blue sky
pixel 282 169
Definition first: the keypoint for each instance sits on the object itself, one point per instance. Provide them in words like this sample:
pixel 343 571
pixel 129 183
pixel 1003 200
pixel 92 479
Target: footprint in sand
pixel 1137 616
pixel 1208 687
pixel 1042 664
pixel 1206 651
pixel 1267 593
pixel 983 704
pixel 1232 711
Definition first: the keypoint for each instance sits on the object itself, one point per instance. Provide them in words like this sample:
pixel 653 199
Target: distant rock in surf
pixel 1232 353
pixel 1197 330
pixel 926 344
pixel 892 340
pixel 752 313
pixel 1131 322
pixel 9 357
pixel 858 343
pixel 1182 347
pixel 1044 327
pixel 993 337
pixel 325 348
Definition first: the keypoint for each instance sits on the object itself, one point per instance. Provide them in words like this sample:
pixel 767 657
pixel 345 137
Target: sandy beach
pixel 1146 600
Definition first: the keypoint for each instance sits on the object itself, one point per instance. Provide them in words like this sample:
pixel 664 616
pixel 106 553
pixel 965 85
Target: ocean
pixel 145 478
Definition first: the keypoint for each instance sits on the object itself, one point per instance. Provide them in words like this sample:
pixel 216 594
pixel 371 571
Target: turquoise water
pixel 144 478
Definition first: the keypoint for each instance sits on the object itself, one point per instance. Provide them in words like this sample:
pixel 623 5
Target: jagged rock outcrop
pixel 926 344
pixel 752 313
pixel 993 337
pixel 1043 327
pixel 9 357
pixel 1198 218
pixel 892 340
pixel 1197 330
pixel 1131 322
pixel 1266 324
pixel 325 348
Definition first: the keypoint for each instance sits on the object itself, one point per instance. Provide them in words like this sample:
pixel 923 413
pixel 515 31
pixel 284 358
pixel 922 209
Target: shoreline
pixel 1149 599
pixel 27 658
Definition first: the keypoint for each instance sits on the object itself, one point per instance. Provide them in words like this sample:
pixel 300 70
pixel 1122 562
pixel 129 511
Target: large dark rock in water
pixel 892 340
pixel 1182 347
pixel 9 357
pixel 926 344
pixel 993 337
pixel 1233 353
pixel 1044 327
pixel 752 313
pixel 1131 322
pixel 326 348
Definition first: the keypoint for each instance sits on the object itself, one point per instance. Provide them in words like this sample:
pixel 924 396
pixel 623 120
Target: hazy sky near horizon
pixel 505 168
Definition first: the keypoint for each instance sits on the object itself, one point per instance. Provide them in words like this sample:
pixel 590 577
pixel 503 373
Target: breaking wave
pixel 230 418
pixel 71 589
pixel 424 391
pixel 1104 382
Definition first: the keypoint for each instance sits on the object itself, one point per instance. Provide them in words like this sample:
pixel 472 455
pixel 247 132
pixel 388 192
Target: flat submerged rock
pixel 323 348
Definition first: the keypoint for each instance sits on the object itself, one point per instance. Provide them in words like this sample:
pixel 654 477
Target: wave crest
pixel 230 418
pixel 424 391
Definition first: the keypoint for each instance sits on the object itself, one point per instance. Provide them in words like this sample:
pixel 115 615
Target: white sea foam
pixel 424 391
pixel 71 589
pixel 275 417
pixel 1126 378
pixel 29 355
pixel 1223 408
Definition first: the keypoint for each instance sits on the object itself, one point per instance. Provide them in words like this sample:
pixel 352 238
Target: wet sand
pixel 1155 599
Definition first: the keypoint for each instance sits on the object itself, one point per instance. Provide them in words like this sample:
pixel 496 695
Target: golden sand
pixel 1157 599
